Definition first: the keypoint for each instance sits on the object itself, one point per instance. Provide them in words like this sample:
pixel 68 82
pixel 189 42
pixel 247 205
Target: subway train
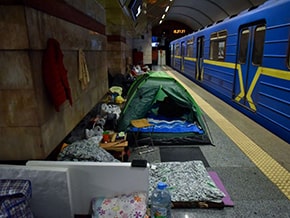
pixel 244 60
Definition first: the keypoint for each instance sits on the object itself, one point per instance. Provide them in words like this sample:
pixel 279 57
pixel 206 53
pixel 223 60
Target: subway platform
pixel 252 163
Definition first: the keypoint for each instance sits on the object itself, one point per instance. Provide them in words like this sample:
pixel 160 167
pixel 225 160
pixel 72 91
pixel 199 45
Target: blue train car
pixel 244 60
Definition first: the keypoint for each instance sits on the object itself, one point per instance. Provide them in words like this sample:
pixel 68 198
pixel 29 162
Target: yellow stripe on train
pixel 275 73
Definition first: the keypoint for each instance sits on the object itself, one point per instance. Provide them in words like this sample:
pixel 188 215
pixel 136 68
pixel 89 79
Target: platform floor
pixel 252 163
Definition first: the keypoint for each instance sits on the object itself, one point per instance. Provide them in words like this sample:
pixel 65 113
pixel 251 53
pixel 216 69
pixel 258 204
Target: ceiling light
pixel 163 16
pixel 160 22
pixel 166 9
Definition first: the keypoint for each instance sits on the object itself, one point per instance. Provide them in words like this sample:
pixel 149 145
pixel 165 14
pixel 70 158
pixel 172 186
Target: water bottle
pixel 161 202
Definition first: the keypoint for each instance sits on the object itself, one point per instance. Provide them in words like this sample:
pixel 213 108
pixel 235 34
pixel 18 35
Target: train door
pixel 250 55
pixel 172 54
pixel 199 58
pixel 182 53
pixel 176 55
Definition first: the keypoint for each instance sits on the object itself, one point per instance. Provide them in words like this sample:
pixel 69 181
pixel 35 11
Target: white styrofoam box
pixel 51 195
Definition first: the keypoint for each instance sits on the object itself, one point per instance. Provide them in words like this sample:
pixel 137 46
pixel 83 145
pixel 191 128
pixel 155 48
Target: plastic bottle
pixel 161 202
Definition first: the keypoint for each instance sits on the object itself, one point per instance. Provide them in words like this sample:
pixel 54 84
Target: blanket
pixel 170 126
pixel 86 150
pixel 187 181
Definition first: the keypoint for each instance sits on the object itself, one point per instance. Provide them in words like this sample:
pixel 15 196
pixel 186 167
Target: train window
pixel 182 52
pixel 258 48
pixel 189 47
pixel 218 45
pixel 177 49
pixel 243 50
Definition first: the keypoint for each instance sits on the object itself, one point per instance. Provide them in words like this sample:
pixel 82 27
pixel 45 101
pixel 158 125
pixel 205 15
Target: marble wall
pixel 119 29
pixel 119 56
pixel 30 127
pixel 143 43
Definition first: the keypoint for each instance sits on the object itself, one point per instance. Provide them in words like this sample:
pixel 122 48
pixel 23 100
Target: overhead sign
pixel 179 31
pixel 135 7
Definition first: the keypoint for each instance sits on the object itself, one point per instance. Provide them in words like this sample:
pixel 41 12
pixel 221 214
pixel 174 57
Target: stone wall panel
pixel 21 143
pixel 13 28
pixel 70 36
pixel 18 108
pixel 15 70
pixel 90 8
pixel 25 102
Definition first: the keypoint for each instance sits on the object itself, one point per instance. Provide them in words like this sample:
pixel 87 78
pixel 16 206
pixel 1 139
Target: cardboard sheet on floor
pixel 182 153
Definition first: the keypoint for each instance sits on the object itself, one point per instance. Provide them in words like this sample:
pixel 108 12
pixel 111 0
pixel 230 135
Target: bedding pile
pixel 187 182
pixel 86 150
pixel 83 143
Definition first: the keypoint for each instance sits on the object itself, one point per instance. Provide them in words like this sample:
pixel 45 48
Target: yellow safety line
pixel 271 168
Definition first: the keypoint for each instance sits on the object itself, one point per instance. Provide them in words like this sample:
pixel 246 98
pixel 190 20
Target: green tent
pixel 157 90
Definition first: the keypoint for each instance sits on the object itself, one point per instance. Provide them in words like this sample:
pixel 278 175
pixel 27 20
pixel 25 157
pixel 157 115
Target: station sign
pixel 179 31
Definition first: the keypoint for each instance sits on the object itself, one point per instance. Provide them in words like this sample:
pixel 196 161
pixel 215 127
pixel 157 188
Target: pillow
pixel 121 206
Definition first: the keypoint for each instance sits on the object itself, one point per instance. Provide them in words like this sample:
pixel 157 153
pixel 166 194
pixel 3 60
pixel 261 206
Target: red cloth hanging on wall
pixel 55 74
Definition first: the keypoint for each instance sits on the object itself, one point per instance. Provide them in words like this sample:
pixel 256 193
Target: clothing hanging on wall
pixel 55 74
pixel 84 76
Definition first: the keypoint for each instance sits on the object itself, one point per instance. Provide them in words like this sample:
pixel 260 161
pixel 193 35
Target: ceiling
pixel 196 13
pixel 193 13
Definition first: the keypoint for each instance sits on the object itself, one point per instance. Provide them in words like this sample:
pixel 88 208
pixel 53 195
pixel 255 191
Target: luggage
pixel 14 198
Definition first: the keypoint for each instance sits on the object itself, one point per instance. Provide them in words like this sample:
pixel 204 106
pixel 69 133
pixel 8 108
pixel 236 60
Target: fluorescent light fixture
pixel 163 16
pixel 160 22
pixel 166 9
